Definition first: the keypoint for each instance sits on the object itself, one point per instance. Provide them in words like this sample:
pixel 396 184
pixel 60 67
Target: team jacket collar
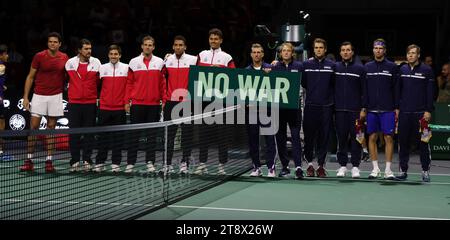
pixel 114 65
pixel 351 62
pixel 415 67
pixel 142 57
pixel 216 50
pixel 263 65
pixel 380 62
pixel 88 61
pixel 319 60
pixel 181 57
pixel 77 62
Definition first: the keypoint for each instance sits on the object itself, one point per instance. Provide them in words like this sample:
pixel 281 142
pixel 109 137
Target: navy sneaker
pixel 284 172
pixel 402 177
pixel 365 157
pixel 299 173
pixel 425 176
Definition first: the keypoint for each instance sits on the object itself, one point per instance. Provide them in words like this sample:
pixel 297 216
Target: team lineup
pixel 377 100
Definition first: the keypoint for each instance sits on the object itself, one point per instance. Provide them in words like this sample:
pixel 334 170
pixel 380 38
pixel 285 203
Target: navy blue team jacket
pixel 318 80
pixel 381 86
pixel 416 88
pixel 349 86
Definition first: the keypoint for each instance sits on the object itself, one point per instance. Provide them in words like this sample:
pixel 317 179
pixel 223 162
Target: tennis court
pixel 143 195
pixel 85 195
pixel 246 198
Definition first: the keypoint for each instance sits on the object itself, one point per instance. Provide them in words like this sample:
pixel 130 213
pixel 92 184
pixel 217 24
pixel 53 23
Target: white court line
pixel 435 174
pixel 83 203
pixel 305 213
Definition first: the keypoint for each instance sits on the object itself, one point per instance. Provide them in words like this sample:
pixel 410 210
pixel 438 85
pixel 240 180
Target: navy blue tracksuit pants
pixel 187 130
pixel 143 114
pixel 408 131
pixel 293 117
pixel 81 115
pixel 214 134
pixel 345 129
pixel 316 128
pixel 253 130
pixel 110 140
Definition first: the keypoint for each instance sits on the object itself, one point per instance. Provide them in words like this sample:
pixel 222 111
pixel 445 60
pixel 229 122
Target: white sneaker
pixel 170 169
pixel 201 169
pixel 355 172
pixel 341 172
pixel 256 172
pixel 99 168
pixel 87 167
pixel 129 168
pixel 167 170
pixel 375 173
pixel 271 173
pixel 426 176
pixel 150 167
pixel 75 167
pixel 115 168
pixel 184 168
pixel 221 169
pixel 389 175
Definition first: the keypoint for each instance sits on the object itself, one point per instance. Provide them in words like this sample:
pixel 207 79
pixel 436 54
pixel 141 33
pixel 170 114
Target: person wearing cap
pixel 381 101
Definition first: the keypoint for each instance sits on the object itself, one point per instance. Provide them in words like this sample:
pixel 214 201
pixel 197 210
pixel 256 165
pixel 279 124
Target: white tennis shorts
pixel 51 106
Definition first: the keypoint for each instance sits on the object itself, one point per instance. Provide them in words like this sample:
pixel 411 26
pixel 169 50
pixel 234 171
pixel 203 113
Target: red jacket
pixel 146 86
pixel 114 82
pixel 83 91
pixel 215 57
pixel 177 75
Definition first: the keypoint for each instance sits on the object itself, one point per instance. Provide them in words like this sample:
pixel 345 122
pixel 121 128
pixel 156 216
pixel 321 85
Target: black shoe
pixel 284 172
pixel 402 177
pixel 299 173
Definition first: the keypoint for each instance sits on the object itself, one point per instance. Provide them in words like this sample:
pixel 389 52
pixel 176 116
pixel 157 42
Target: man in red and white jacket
pixel 113 77
pixel 83 80
pixel 145 92
pixel 214 57
pixel 177 75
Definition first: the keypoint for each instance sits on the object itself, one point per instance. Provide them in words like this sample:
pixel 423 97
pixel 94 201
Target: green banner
pixel 441 128
pixel 242 85
pixel 440 144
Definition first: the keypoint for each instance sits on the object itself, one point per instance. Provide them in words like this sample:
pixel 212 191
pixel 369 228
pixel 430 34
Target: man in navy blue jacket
pixel 293 117
pixel 416 103
pixel 257 55
pixel 381 101
pixel 318 80
pixel 348 99
pixel 3 59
